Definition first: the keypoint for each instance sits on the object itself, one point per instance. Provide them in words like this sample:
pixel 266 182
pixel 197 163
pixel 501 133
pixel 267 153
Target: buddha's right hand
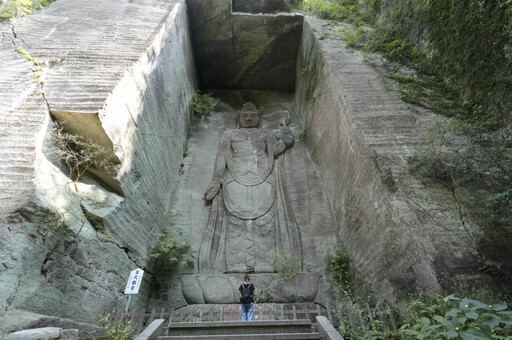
pixel 212 189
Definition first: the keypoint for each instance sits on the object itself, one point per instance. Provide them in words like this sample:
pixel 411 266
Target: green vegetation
pixel 453 318
pixel 471 46
pixel 335 10
pixel 172 247
pixel 462 52
pixel 202 103
pixel 337 267
pixel 386 176
pixel 424 318
pixel 469 164
pixel 61 218
pixel 116 330
pixel 465 44
pixel 79 154
pixel 287 266
pixel 37 66
pixel 431 93
pixel 303 135
pixel 313 73
pixel 12 9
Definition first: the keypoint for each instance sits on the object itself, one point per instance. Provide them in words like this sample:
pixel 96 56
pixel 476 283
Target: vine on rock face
pixel 465 43
pixel 462 51
pixel 471 45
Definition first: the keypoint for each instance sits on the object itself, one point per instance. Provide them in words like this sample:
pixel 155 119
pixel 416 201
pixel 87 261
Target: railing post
pixel 171 315
pixel 141 320
pixel 153 331
pixel 152 316
pixel 327 329
pixel 329 313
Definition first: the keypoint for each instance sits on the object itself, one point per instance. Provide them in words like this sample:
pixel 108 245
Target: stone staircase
pixel 271 329
pixel 318 328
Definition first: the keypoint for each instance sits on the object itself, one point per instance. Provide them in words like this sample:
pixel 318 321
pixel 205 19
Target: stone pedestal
pixel 223 288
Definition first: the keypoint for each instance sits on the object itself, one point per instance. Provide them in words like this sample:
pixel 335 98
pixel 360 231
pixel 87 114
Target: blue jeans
pixel 247 311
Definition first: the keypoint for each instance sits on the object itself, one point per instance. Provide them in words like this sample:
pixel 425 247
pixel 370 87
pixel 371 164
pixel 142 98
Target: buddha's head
pixel 249 116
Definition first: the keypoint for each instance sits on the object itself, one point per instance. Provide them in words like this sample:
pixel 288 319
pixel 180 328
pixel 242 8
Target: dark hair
pixel 246 276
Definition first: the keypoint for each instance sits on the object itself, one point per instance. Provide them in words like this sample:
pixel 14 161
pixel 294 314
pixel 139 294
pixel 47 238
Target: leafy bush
pixel 202 102
pixel 172 247
pixel 117 330
pixel 453 318
pixel 424 318
pixel 338 266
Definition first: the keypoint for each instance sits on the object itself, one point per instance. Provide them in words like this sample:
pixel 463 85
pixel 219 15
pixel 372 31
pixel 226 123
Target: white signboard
pixel 133 285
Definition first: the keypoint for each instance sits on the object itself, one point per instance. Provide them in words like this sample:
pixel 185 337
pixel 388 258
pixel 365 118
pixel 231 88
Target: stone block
pixel 35 334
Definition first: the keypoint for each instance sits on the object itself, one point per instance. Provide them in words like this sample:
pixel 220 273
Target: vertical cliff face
pixel 402 234
pixel 237 50
pixel 124 77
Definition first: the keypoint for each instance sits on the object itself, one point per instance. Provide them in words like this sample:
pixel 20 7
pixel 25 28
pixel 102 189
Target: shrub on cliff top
pixel 12 9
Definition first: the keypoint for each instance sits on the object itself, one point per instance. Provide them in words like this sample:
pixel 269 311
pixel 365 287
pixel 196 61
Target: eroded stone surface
pixel 124 76
pixel 251 218
pixel 312 211
pixel 413 238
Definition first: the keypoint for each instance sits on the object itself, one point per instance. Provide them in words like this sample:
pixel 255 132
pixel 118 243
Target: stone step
pixel 280 336
pixel 240 327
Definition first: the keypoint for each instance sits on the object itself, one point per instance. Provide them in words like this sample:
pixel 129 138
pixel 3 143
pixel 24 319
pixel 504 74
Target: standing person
pixel 247 299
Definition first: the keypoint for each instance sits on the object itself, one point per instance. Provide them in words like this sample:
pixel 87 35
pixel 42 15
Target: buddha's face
pixel 249 119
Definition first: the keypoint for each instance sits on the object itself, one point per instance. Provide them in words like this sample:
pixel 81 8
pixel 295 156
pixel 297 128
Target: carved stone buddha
pixel 251 219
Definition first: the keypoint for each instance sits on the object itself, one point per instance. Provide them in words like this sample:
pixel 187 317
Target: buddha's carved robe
pixel 251 219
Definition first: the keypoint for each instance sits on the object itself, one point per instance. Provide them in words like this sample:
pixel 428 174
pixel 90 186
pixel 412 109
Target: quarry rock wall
pixel 402 234
pixel 123 75
pixel 243 50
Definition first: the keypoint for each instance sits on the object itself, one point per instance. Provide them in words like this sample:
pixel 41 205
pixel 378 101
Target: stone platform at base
pixel 223 288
